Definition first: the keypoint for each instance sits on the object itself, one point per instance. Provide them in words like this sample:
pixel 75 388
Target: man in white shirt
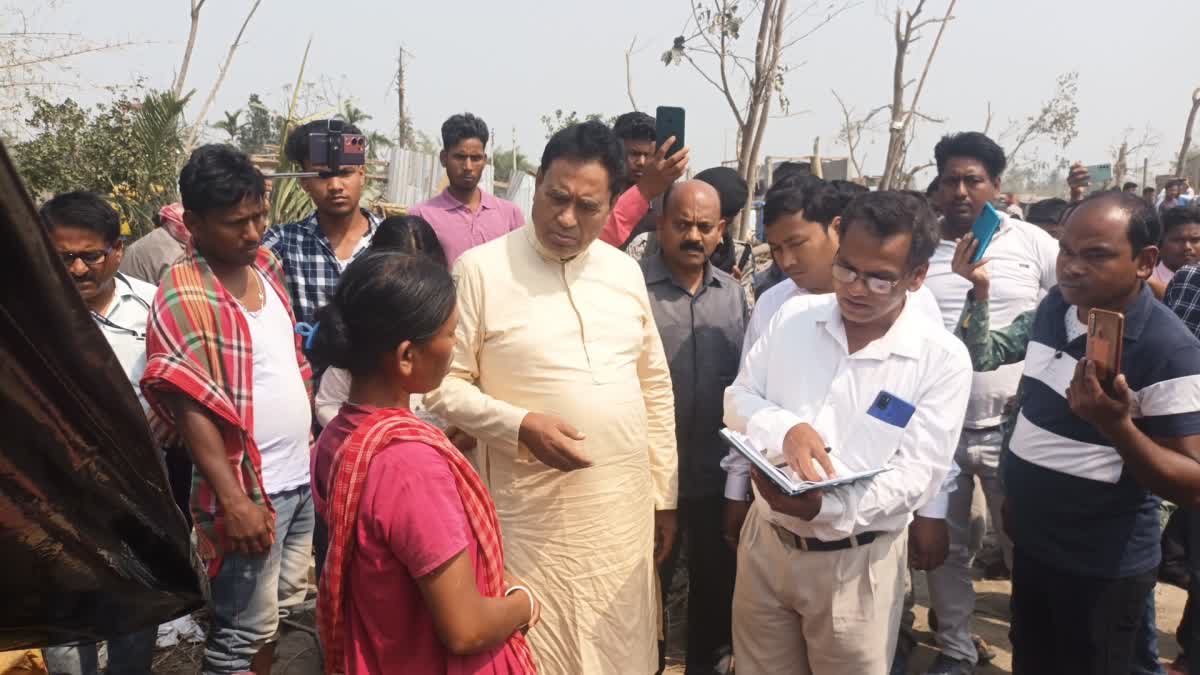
pixel 851 381
pixel 1022 263
pixel 86 231
pixel 801 221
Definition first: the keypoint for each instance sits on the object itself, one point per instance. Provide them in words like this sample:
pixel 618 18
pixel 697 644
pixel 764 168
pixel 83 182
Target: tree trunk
pixel 1187 134
pixel 1120 167
pixel 817 169
pixel 237 41
pixel 896 127
pixel 187 52
pixel 400 139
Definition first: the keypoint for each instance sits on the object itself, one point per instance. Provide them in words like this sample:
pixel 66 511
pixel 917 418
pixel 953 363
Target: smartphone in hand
pixel 984 229
pixel 1105 332
pixel 668 122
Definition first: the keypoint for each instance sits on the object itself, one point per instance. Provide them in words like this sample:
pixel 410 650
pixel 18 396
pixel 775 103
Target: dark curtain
pixel 91 541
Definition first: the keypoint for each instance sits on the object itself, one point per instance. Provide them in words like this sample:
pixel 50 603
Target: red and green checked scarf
pixel 347 478
pixel 198 345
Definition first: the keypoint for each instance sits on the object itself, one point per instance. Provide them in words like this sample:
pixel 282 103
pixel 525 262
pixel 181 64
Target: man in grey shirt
pixel 701 313
pixel 148 257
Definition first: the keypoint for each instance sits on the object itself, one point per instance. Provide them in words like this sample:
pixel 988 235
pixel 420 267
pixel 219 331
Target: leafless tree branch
pixel 629 72
pixel 212 94
pixel 194 16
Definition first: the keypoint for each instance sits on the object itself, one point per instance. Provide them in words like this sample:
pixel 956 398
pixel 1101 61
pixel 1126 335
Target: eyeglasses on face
pixel 89 258
pixel 845 275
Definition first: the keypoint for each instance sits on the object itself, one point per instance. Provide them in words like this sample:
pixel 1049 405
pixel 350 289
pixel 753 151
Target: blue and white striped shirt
pixel 1072 503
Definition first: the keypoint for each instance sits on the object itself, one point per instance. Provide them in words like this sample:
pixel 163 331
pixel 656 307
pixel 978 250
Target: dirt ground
pixel 298 654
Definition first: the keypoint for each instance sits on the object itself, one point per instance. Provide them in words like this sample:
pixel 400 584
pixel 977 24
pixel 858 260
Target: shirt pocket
pixel 874 442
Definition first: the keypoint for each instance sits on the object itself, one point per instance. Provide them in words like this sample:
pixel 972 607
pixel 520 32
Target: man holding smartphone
pixel 970 166
pixel 648 174
pixel 1083 477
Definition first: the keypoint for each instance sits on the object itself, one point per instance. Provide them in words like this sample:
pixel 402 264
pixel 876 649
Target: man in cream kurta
pixel 559 364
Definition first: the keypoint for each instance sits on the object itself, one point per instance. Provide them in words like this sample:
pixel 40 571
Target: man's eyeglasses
pixel 845 275
pixel 89 258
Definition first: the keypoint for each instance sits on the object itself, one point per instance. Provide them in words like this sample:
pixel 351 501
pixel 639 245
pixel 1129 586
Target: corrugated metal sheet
pixel 415 176
pixel 520 192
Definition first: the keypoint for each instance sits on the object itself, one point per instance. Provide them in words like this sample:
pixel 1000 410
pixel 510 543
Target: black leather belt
pixel 793 540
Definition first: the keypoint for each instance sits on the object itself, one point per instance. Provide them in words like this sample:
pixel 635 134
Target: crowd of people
pixel 499 442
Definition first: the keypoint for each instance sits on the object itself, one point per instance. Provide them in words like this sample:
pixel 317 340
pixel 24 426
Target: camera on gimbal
pixel 335 148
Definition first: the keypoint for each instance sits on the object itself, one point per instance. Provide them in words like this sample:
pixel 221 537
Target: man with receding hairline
pixel 701 313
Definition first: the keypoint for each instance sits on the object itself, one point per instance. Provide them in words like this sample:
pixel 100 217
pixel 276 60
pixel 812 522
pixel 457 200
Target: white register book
pixel 782 476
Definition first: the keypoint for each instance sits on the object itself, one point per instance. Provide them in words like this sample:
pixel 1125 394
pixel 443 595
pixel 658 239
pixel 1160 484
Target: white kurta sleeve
pixel 335 389
pixel 459 400
pixel 655 376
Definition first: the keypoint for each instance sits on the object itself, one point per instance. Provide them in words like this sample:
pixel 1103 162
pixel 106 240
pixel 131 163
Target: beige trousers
pixel 825 613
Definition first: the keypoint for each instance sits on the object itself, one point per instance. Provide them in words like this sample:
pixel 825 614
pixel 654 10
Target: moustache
pixel 692 246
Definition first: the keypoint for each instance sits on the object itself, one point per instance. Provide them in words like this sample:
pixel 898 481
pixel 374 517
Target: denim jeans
pixel 251 594
pixel 1145 649
pixel 127 655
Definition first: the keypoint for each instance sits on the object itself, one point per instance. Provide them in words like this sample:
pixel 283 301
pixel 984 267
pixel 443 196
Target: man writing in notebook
pixel 820 576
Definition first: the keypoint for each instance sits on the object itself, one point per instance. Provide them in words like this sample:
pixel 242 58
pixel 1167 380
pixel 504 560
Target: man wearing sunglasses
pixel 86 232
pixel 852 381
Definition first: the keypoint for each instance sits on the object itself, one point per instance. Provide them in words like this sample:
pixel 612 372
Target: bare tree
pixel 906 28
pixel 748 84
pixel 212 94
pixel 852 132
pixel 35 61
pixel 191 43
pixel 1187 134
pixel 629 72
pixel 1126 150
pixel 1056 120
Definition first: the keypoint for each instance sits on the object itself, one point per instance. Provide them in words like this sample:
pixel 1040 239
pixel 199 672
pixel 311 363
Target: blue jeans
pixel 251 594
pixel 127 655
pixel 1145 646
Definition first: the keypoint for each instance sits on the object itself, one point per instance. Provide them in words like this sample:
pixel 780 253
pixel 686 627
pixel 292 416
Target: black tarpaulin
pixel 91 542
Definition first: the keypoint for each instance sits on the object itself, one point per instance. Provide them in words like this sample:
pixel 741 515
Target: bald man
pixel 701 314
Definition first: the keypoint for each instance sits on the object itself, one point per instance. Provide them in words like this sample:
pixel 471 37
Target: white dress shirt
pixel 737 468
pixel 1021 266
pixel 916 361
pixel 124 326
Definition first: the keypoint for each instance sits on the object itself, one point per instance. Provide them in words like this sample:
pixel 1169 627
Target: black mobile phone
pixel 668 122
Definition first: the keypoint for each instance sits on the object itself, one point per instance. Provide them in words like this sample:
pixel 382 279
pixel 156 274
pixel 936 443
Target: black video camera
pixel 334 148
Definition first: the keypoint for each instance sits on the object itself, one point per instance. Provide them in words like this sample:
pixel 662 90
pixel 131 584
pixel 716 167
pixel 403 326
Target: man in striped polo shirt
pixel 1085 467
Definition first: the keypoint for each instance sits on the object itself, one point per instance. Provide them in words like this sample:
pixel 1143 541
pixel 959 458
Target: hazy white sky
pixel 511 62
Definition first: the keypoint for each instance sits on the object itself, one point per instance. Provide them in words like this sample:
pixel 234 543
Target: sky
pixel 512 62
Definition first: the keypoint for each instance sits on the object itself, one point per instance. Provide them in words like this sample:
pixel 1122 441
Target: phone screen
pixel 668 122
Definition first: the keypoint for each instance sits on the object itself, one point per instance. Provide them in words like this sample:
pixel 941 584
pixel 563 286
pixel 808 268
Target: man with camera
pixel 314 251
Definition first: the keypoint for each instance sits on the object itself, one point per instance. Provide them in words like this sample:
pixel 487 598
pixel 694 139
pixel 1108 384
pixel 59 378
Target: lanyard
pixel 140 335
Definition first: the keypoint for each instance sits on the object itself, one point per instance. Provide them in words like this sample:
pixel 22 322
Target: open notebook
pixel 782 476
